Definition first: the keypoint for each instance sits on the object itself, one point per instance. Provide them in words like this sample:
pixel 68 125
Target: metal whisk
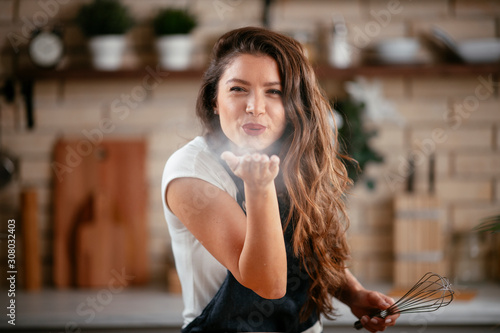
pixel 430 293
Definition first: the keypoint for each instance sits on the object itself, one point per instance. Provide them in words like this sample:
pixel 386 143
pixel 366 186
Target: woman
pixel 255 207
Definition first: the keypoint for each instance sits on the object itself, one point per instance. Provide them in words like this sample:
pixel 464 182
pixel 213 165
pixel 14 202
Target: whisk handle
pixel 358 325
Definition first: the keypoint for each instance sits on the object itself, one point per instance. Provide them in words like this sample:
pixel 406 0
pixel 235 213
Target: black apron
pixel 236 308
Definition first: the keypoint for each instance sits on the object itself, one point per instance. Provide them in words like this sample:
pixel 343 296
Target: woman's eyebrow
pixel 238 81
pixel 266 84
pixel 273 83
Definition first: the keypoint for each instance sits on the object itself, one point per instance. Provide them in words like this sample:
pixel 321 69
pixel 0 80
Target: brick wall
pixel 467 152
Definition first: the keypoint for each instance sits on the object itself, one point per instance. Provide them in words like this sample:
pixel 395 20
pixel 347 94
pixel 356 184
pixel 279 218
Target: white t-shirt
pixel 201 275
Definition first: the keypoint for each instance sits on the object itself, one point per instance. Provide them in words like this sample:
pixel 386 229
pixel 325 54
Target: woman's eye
pixel 236 89
pixel 274 92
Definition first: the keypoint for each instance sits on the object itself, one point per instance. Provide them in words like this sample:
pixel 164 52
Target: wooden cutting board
pixel 115 169
pixel 100 245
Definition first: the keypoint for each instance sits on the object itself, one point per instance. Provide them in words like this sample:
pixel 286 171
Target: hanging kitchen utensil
pixel 27 90
pixel 266 13
pixel 8 90
pixel 442 45
pixel 7 168
pixel 8 164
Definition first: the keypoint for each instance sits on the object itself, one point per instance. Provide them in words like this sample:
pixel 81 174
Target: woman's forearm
pixel 262 261
pixel 350 288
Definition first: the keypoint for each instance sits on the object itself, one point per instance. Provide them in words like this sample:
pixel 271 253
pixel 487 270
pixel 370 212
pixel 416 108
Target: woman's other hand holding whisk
pixel 367 302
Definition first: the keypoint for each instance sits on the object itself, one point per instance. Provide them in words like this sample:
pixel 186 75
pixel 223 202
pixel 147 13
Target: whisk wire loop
pixel 430 293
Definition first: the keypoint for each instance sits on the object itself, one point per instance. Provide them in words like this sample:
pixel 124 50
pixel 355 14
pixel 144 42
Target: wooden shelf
pixel 424 70
pixel 93 74
pixel 323 72
pixel 27 77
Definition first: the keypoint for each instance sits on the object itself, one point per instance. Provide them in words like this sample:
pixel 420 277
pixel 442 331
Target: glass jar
pixel 470 258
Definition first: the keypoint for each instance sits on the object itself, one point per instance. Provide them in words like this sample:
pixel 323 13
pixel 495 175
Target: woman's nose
pixel 256 105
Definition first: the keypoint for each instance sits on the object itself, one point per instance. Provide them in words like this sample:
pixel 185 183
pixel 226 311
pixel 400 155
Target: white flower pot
pixel 175 51
pixel 107 51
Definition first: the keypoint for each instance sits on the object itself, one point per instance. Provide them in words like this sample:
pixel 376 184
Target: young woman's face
pixel 250 104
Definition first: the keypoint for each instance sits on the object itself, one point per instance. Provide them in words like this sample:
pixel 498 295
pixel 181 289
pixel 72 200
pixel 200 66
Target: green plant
pixel 171 21
pixel 104 17
pixel 489 224
pixel 354 138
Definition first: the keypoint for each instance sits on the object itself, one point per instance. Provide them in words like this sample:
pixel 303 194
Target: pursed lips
pixel 254 128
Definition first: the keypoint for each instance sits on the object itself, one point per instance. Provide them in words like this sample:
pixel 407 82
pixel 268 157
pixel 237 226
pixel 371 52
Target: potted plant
pixel 355 139
pixel 105 23
pixel 172 28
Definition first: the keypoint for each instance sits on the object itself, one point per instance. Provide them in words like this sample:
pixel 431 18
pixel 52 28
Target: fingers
pixel 381 302
pixel 274 164
pixel 375 324
pixel 232 160
pixel 391 320
pixel 255 168
pixel 261 160
pixel 386 301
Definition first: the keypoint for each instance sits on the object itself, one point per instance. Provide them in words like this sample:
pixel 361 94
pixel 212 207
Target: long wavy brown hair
pixel 312 171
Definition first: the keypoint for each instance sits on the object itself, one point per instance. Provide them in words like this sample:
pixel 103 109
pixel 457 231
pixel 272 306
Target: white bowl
pixel 483 50
pixel 398 50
